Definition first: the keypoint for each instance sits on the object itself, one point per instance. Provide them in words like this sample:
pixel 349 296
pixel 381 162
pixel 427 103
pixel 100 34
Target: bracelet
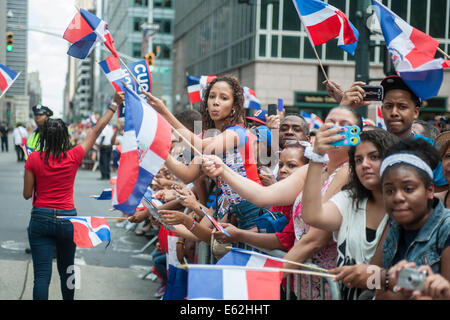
pixel 114 111
pixel 113 103
pixel 193 225
pixel 180 242
pixel 386 281
pixel 314 157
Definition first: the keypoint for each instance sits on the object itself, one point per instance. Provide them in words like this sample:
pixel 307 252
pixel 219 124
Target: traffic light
pixel 9 41
pixel 150 57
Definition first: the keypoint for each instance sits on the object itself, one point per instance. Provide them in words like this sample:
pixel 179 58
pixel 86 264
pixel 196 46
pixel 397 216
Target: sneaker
pixel 130 225
pixel 161 290
pixel 121 224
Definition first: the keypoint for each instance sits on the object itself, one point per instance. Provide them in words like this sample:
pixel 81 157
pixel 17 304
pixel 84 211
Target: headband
pixel 406 158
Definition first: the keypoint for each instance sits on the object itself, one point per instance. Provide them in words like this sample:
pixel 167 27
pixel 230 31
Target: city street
pixel 122 262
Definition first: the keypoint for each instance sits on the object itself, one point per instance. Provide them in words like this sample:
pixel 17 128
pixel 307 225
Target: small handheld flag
pixel 89 231
pixel 323 22
pixel 7 78
pixel 215 223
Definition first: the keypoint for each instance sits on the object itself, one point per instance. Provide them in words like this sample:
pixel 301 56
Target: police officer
pixel 41 114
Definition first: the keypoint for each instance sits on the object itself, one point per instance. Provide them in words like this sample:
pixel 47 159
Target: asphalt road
pixel 124 251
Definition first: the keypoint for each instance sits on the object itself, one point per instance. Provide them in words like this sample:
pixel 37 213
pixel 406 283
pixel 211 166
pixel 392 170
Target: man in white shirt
pixel 105 148
pixel 20 135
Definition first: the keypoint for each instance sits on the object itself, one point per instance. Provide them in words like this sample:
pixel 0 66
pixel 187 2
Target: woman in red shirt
pixel 49 179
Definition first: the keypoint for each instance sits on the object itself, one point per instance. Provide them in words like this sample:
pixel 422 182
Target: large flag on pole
pixel 7 78
pixel 84 31
pixel 412 52
pixel 145 146
pixel 323 22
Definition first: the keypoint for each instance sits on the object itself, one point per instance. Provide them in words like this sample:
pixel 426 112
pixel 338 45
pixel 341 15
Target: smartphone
pixel 272 109
pixel 280 105
pixel 373 93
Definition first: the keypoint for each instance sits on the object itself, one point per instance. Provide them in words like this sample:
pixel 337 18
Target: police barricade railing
pixel 312 288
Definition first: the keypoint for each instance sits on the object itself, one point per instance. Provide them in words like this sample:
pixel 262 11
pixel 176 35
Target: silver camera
pixel 411 279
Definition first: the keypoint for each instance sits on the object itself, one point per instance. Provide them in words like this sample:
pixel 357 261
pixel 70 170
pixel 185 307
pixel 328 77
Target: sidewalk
pixel 96 283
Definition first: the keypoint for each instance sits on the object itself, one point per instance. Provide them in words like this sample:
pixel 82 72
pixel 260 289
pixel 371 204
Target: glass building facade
pixel 265 39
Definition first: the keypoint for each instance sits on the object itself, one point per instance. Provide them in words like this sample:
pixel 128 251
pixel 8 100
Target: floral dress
pixel 326 257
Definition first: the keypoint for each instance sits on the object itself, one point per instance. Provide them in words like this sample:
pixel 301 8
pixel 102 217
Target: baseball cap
pixel 395 82
pixel 263 134
pixel 258 116
pixel 40 109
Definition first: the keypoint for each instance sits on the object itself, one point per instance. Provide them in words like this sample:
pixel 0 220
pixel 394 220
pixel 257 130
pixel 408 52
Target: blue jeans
pixel 159 261
pixel 46 233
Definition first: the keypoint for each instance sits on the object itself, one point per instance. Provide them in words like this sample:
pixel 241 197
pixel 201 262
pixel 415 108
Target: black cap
pixel 395 82
pixel 40 109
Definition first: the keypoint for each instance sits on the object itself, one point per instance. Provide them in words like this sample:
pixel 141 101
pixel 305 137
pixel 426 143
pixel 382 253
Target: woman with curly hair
pixel 223 134
pixel 356 215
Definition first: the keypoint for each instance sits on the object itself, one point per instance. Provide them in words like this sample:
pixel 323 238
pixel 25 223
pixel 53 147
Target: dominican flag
pixel 145 146
pixel 84 31
pixel 323 22
pixel 239 275
pixel 89 231
pixel 412 53
pixel 380 119
pixel 113 72
pixel 7 78
pixel 250 100
pixel 314 122
pixel 196 86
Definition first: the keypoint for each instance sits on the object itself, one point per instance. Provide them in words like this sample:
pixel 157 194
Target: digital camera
pixel 411 279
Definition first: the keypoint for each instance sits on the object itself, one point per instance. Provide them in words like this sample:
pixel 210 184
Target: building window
pixel 290 47
pixel 274 48
pixel 333 52
pixel 291 20
pixel 262 45
pixel 162 3
pixel 400 7
pixel 137 50
pixel 418 14
pixel 437 18
pixel 141 3
pixel 165 26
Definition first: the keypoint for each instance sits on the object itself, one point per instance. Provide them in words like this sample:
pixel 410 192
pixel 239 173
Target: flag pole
pixel 443 53
pixel 271 269
pixel 192 107
pixel 142 89
pixel 320 62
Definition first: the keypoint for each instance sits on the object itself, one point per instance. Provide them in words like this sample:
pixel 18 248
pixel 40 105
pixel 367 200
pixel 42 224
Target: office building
pixel 264 44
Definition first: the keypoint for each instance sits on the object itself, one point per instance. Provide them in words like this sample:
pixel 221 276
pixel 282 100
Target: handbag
pixel 271 221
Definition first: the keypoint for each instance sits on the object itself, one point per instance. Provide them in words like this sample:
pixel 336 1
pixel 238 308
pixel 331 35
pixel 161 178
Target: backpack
pixel 270 221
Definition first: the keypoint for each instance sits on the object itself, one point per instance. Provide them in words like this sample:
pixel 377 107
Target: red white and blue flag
pixel 105 195
pixel 313 121
pixel 113 71
pixel 84 32
pixel 238 275
pixel 250 100
pixel 412 52
pixel 7 78
pixel 89 231
pixel 323 22
pixel 145 146
pixel 380 119
pixel 196 86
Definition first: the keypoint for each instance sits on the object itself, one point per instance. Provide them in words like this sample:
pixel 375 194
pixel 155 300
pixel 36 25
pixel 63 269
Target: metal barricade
pixel 205 256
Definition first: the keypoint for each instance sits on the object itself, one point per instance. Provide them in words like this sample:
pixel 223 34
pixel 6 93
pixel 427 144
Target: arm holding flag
pixel 214 145
pixel 102 122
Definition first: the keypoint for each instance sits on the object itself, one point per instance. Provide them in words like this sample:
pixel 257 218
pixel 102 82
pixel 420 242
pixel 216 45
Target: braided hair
pixel 238 103
pixel 54 139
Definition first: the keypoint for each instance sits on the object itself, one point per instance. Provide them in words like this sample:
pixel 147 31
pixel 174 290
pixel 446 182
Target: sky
pixel 48 54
